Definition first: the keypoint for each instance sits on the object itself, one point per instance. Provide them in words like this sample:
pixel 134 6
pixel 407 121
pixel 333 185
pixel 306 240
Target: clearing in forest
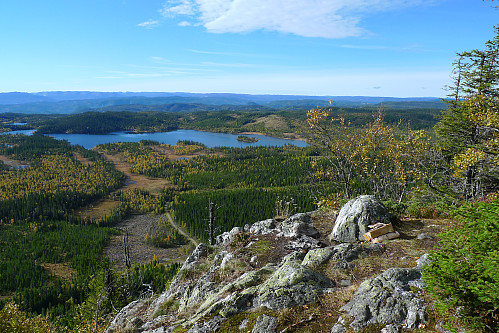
pixel 152 185
pixel 137 225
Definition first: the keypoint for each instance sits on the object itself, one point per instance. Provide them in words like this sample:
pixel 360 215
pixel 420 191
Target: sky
pixel 397 48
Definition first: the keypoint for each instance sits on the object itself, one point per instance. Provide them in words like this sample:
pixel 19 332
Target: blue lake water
pixel 208 138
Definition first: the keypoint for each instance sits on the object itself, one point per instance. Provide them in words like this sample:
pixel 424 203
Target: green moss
pixel 170 305
pixel 231 325
pixel 375 328
pixel 261 247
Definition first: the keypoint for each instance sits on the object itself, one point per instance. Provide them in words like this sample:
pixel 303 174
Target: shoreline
pixel 297 138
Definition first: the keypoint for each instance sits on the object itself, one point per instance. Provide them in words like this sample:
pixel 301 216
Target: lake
pixel 208 138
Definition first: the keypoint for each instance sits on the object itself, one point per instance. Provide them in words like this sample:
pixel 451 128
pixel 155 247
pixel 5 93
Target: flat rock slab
pixel 265 324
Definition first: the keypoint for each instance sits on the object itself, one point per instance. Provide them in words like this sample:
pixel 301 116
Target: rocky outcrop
pixel 388 299
pixel 344 254
pixel 265 324
pixel 317 257
pixel 275 286
pixel 266 268
pixel 291 284
pixel 211 325
pixel 298 225
pixel 355 217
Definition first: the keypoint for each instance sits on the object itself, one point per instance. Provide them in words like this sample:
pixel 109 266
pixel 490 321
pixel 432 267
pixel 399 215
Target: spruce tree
pixel 468 128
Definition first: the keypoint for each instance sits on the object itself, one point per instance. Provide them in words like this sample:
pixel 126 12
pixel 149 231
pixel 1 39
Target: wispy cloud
pixel 149 24
pixel 413 47
pixel 235 65
pixel 309 18
pixel 215 52
pixel 165 68
pixel 160 60
pixel 123 75
pixel 365 47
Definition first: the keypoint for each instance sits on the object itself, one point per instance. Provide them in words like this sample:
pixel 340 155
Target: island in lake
pixel 247 139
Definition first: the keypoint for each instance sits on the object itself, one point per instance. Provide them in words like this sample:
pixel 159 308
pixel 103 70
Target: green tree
pixel 463 273
pixel 468 128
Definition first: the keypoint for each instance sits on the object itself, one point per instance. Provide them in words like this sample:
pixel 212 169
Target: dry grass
pixel 153 185
pixel 98 209
pixel 318 317
pixel 324 223
pixel 272 121
pixel 62 271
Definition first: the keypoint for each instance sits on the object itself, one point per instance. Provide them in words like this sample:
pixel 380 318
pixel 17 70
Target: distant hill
pixel 21 98
pixel 183 107
pixel 66 102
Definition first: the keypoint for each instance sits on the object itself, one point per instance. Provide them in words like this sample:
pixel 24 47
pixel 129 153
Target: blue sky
pixel 399 48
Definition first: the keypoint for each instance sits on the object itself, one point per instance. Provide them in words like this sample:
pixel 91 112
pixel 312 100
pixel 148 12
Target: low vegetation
pixel 464 274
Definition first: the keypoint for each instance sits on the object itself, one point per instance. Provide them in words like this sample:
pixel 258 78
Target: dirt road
pixel 137 226
pixel 182 232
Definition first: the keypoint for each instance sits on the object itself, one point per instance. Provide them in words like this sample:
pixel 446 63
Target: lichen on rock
pixel 355 217
pixel 387 299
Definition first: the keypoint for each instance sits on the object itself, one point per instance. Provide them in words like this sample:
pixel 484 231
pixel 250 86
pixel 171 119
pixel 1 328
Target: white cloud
pixel 309 18
pixel 149 24
pixel 180 7
pixel 184 24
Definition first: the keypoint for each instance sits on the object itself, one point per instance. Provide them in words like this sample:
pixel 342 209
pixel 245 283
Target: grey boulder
pixel 355 217
pixel 388 299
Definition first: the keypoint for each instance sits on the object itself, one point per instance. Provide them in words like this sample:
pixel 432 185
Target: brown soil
pixel 137 227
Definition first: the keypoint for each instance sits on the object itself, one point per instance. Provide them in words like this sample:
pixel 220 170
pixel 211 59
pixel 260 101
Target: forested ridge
pixel 227 121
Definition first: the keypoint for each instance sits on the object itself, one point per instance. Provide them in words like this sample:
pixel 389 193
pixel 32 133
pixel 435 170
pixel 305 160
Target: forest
pixel 49 255
pixel 128 118
pixel 244 182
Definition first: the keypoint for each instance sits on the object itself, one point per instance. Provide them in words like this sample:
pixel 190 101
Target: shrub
pixel 464 273
pixel 428 211
pixel 13 319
